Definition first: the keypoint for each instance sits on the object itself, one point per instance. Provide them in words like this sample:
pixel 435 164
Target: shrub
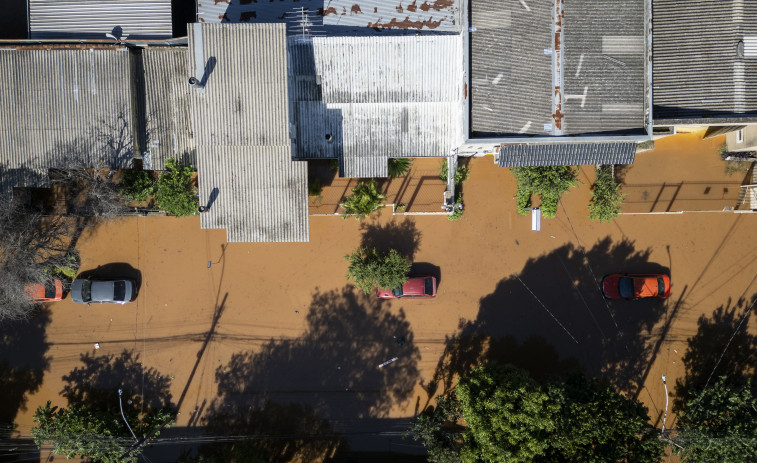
pixel 523 201
pixel 174 192
pixel 399 167
pixel 365 199
pixel 370 269
pixel 457 212
pixel 461 174
pixel 548 181
pixel 136 185
pixel 606 198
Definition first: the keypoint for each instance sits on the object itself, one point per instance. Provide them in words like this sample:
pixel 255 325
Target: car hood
pixel 76 291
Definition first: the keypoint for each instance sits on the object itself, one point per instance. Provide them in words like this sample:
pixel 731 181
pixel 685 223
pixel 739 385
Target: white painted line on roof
pixel 578 69
pixel 579 97
pixel 524 5
pixel 739 87
pixel 497 79
pixel 525 128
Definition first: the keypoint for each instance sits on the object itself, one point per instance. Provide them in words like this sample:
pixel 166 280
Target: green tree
pixel 365 199
pixel 606 197
pixel 551 182
pixel 90 432
pixel 370 268
pixel 174 190
pixel 136 185
pixel 719 424
pixel 509 418
pixel 399 167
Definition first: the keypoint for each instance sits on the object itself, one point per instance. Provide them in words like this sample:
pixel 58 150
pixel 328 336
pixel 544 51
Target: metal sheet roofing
pixel 168 117
pixel 566 154
pixel 56 105
pixel 697 70
pixel 339 16
pixel 241 128
pixel 92 19
pixel 594 67
pixel 257 193
pixel 367 99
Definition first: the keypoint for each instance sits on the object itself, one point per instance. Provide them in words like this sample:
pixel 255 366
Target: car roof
pixel 415 285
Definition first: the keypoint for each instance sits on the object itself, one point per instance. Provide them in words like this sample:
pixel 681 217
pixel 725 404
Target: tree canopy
pixel 370 268
pixel 719 424
pixel 508 417
pixel 365 199
pixel 175 192
pixel 606 197
pixel 551 182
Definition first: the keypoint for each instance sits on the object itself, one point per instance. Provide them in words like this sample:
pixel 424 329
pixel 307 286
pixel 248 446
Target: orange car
pixel 635 286
pixel 50 291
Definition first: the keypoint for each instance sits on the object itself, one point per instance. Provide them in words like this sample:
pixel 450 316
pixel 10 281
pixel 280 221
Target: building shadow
pixel 23 363
pixel 551 318
pixel 346 371
pixel 401 235
pixel 724 333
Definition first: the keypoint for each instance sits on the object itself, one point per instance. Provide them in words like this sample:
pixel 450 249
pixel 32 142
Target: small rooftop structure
pixel 366 99
pixel 59 106
pixel 247 179
pixel 566 154
pixel 93 19
pixel 704 61
pixel 570 67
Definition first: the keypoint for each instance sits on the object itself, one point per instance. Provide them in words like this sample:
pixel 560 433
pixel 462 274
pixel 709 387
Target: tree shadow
pixel 551 318
pixel 702 359
pixel 401 235
pixel 321 385
pixel 97 382
pixel 23 362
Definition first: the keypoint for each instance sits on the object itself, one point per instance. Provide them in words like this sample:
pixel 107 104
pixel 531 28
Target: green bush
pixel 551 182
pixel 174 192
pixel 365 199
pixel 606 198
pixel 370 269
pixel 136 185
pixel 523 201
pixel 399 167
pixel 461 174
pixel 457 212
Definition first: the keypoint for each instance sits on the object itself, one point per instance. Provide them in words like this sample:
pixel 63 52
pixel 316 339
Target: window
pixel 86 291
pixel 625 287
pixel 660 287
pixel 119 291
pixel 50 290
pixel 428 286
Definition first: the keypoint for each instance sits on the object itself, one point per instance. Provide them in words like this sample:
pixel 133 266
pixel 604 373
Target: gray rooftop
pixel 92 19
pixel 599 84
pixel 566 154
pixel 59 106
pixel 241 130
pixel 697 70
pixel 366 99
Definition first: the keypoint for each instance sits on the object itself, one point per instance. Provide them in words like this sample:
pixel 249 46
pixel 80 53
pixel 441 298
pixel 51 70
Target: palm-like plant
pixel 399 167
pixel 365 199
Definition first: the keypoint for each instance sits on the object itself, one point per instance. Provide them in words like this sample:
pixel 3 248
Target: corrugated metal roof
pixel 566 154
pixel 59 104
pixel 241 129
pixel 377 97
pixel 257 193
pixel 512 69
pixel 168 117
pixel 339 16
pixel 697 71
pixel 92 19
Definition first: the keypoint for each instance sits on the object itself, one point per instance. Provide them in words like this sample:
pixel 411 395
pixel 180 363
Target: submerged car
pixel 49 291
pixel 416 286
pixel 85 291
pixel 635 286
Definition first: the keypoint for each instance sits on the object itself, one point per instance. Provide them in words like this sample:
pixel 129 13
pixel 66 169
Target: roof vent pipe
pixel 194 82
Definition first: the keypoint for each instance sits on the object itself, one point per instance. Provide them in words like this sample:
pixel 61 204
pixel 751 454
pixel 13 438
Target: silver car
pixel 103 291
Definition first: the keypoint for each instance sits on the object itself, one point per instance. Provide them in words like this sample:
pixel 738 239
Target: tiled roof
pixel 697 71
pixel 566 154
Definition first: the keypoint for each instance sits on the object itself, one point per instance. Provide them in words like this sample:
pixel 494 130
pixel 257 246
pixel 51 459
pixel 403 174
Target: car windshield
pixel 660 287
pixel 428 286
pixel 397 292
pixel 625 287
pixel 50 290
pixel 119 290
pixel 86 291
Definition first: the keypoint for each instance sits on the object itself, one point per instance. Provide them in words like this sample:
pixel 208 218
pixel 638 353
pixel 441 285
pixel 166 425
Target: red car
pixel 417 286
pixel 635 286
pixel 49 292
